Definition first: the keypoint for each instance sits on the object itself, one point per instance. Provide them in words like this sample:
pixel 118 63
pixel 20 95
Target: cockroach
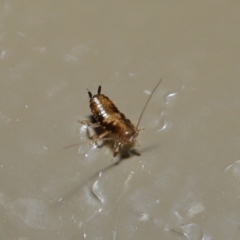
pixel 116 126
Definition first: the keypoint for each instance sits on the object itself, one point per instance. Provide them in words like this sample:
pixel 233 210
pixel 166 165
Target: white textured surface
pixel 185 184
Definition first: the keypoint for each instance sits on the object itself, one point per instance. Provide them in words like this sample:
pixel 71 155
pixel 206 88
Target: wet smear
pixel 165 124
pixel 192 231
pixel 144 217
pixel 171 98
pixel 83 224
pixel 87 148
pixel 33 212
pixel 97 190
pixel 234 169
pixel 195 209
pixel 90 197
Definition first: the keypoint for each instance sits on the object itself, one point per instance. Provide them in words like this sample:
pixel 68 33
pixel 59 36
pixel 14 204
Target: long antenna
pixel 147 102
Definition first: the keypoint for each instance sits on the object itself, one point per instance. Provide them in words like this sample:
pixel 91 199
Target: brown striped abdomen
pixel 107 114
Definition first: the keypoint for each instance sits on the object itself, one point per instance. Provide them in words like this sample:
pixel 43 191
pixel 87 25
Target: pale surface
pixel 185 184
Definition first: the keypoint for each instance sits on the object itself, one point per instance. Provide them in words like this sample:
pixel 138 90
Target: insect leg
pixel 116 148
pixel 96 138
pixel 137 143
pixel 89 124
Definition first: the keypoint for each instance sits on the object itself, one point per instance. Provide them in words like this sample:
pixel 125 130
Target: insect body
pixel 116 126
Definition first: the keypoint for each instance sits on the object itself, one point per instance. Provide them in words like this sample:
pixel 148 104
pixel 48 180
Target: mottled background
pixel 185 184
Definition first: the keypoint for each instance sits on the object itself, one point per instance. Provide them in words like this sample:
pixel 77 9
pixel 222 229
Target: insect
pixel 116 126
